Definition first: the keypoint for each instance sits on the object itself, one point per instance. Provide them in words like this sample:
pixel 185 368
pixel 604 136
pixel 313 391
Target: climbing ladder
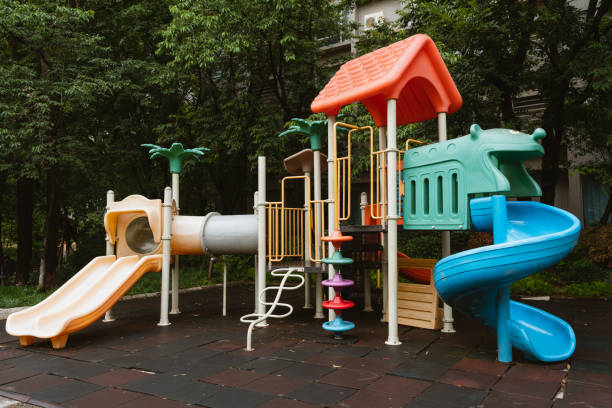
pixel 256 318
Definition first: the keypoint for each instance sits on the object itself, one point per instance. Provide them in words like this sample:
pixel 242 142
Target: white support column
pixel 224 286
pixel 256 266
pixel 166 254
pixel 261 236
pixel 318 227
pixel 367 290
pixel 382 145
pixel 175 270
pixel 110 250
pixel 447 318
pixel 307 302
pixel 331 120
pixel 393 338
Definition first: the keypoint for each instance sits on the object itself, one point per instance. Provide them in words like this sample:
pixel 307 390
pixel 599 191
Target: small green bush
pixel 596 289
pixel 534 285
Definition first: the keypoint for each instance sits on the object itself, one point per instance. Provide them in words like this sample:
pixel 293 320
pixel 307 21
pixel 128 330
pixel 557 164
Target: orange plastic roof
pixel 411 71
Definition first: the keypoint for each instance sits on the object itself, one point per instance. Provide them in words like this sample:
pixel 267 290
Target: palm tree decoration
pixel 176 154
pixel 314 129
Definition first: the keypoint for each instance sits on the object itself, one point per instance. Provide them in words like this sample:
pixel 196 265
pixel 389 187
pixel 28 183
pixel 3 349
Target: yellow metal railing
pixel 286 226
pixel 378 179
pixel 317 217
pixel 342 174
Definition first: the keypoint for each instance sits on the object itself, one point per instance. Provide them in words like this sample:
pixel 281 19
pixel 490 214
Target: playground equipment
pixel 145 234
pixel 528 237
pixel 255 318
pixel 443 186
pixel 408 82
pixel 337 304
pixel 82 300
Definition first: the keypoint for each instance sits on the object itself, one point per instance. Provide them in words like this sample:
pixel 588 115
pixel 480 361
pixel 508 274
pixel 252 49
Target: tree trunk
pixel 2 183
pixel 48 263
pixel 550 166
pixel 553 123
pixel 25 205
pixel 606 214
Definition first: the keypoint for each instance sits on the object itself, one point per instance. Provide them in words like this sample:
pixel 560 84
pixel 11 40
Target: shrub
pixel 597 289
pixel 532 285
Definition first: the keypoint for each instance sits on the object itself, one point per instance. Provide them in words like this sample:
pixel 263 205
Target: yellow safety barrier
pixel 342 172
pixel 317 217
pixel 378 179
pixel 286 226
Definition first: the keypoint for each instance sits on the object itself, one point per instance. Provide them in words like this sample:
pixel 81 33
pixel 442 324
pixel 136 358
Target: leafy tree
pixel 55 69
pixel 244 68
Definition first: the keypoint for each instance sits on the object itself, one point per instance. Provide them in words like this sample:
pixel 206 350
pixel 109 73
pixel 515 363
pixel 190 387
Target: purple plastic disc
pixel 337 282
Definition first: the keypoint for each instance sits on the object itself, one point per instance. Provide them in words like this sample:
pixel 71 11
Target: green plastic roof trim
pixel 176 154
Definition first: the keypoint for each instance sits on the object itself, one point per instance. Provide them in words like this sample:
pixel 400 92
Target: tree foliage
pixel 500 50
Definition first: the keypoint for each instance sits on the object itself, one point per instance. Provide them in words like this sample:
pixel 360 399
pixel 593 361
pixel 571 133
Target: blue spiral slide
pixel 528 237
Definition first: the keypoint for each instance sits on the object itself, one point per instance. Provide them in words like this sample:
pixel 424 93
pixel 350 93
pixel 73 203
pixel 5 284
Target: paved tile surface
pixel 200 361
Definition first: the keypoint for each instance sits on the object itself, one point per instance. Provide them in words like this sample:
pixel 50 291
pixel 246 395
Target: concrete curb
pixel 4 313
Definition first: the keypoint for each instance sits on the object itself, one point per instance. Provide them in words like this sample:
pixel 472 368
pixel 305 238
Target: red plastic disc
pixel 338 303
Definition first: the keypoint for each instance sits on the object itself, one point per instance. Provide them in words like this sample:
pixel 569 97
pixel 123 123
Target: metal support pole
pixel 224 286
pixel 256 267
pixel 447 317
pixel 175 270
pixel 331 120
pixel 393 338
pixel 261 237
pixel 307 302
pixel 166 249
pixel 110 250
pixel 382 145
pixel 367 290
pixel 318 227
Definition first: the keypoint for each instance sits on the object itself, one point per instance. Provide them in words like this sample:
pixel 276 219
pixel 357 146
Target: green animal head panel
pixel 440 178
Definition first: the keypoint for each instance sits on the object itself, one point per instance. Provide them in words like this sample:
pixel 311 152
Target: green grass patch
pixel 15 296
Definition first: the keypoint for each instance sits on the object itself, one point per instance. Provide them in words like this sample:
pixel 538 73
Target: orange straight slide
pixel 82 300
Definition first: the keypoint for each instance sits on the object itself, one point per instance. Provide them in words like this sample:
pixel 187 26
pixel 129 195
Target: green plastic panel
pixel 439 179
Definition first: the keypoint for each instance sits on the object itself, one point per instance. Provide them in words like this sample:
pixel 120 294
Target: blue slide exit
pixel 528 237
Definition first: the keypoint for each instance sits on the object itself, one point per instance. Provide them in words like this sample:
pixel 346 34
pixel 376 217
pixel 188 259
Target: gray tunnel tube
pixel 229 234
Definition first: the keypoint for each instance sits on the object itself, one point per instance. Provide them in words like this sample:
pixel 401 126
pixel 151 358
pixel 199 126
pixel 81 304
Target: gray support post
pixel 256 267
pixel 382 145
pixel 367 290
pixel 175 270
pixel 307 302
pixel 166 250
pixel 331 206
pixel 393 338
pixel 318 227
pixel 224 286
pixel 110 250
pixel 261 237
pixel 447 317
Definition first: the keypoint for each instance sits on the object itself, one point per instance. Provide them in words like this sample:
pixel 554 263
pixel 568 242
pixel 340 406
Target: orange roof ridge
pixel 411 71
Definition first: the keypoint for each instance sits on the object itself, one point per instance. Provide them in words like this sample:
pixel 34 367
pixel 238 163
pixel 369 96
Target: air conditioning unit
pixel 370 20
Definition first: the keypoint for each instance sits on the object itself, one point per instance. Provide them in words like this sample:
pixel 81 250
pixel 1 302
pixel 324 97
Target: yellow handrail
pixel 408 141
pixel 316 242
pixel 342 174
pixel 286 226
pixel 378 208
